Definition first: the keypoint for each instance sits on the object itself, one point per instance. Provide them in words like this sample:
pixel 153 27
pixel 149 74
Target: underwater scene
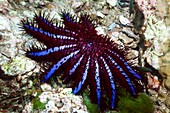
pixel 85 56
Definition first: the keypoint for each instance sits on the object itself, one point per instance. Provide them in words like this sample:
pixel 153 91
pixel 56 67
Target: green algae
pixel 91 107
pixel 36 102
pixel 126 104
pixel 129 104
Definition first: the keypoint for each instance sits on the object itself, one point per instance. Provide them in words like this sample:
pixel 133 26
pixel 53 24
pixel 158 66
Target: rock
pixel 159 34
pixel 59 104
pixel 4 23
pixel 101 30
pixel 28 108
pixel 50 106
pixel 161 8
pixel 112 2
pixel 130 34
pixel 77 4
pixel 167 83
pixel 165 70
pixel 165 65
pixel 133 54
pixel 153 82
pixel 125 38
pixel 114 35
pixel 123 20
pixel 18 65
pixel 112 26
pixel 45 96
pixel 167 101
pixel 46 87
pixel 162 94
pixel 105 11
pixel 153 60
pixel 23 3
pixel 100 14
pixel 61 100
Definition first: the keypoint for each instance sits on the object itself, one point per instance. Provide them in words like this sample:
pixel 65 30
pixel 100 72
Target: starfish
pixel 84 57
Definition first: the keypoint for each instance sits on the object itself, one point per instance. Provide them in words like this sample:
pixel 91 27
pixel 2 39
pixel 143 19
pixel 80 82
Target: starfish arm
pixel 122 73
pixel 125 65
pixel 47 25
pixel 70 22
pixel 50 50
pixel 44 23
pixel 70 70
pixel 98 87
pixel 76 65
pixel 49 39
pixel 67 17
pixel 56 66
pixel 87 22
pixel 113 88
pixel 78 88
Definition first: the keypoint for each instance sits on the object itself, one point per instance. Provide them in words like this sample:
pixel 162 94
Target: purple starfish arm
pixel 113 87
pixel 58 65
pixel 124 74
pixel 98 87
pixel 77 89
pixel 127 66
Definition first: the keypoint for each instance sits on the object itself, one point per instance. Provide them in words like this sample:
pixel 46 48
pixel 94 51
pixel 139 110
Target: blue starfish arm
pixel 50 50
pixel 76 65
pixel 86 20
pixel 113 87
pixel 127 66
pixel 131 70
pixel 47 25
pixel 77 89
pixel 68 18
pixel 58 65
pixel 123 73
pixel 47 33
pixel 42 19
pixel 50 39
pixel 97 78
